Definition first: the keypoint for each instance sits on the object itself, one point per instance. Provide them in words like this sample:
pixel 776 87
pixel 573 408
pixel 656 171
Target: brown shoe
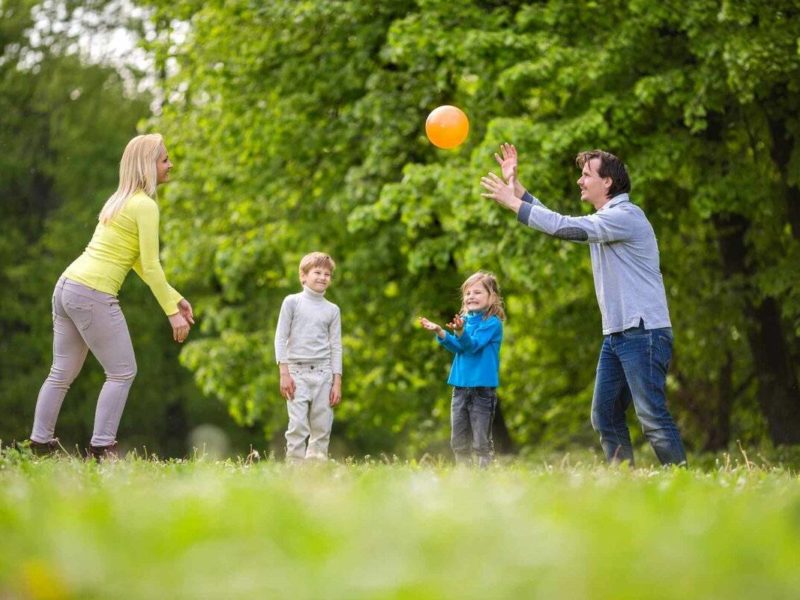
pixel 100 453
pixel 44 448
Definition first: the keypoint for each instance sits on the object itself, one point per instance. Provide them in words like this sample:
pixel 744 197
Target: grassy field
pixel 203 529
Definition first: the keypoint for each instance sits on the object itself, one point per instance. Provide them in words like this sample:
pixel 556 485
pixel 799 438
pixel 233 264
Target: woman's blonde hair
pixel 137 171
pixel 489 283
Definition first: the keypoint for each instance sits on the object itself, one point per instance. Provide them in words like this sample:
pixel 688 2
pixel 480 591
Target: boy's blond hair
pixel 489 283
pixel 315 259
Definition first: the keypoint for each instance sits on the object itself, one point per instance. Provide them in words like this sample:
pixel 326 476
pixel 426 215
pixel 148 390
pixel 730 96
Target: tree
pixel 693 94
pixel 64 122
pixel 301 128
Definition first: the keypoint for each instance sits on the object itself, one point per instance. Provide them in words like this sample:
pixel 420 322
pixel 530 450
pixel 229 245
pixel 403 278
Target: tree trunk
pixel 503 444
pixel 778 393
pixel 709 402
pixel 719 434
pixel 176 428
pixel 781 150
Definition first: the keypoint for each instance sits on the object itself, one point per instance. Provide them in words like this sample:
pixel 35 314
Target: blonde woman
pixel 86 311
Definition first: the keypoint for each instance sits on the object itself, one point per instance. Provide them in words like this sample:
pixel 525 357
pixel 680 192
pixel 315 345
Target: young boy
pixel 308 349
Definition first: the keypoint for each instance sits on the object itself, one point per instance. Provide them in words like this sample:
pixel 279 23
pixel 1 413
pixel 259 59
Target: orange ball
pixel 447 126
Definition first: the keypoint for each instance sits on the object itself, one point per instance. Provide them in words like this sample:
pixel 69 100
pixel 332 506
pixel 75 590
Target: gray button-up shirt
pixel 625 259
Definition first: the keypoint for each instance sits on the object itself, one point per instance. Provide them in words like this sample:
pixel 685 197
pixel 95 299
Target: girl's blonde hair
pixel 137 171
pixel 489 282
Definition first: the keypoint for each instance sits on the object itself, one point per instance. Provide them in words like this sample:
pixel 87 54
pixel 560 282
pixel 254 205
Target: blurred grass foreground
pixel 205 529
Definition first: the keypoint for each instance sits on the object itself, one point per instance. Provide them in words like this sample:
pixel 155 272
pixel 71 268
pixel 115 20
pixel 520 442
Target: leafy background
pixel 297 126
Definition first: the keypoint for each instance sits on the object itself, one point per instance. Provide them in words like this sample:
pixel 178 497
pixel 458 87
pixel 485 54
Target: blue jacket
pixel 477 352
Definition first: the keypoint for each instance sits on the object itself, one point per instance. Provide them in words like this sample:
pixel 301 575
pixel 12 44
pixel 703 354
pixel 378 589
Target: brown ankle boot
pixel 100 453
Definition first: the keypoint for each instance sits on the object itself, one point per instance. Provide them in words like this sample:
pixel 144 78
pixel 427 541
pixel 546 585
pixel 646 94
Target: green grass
pixel 198 529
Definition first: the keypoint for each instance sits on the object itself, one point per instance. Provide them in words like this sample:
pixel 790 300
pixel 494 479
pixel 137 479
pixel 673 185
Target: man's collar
pixel 615 200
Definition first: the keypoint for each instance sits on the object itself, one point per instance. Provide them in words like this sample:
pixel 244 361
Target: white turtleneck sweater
pixel 309 330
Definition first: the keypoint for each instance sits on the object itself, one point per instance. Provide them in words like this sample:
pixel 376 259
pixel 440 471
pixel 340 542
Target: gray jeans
pixel 471 415
pixel 85 319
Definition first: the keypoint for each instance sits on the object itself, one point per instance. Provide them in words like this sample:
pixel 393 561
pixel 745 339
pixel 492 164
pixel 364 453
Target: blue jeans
pixel 471 416
pixel 633 369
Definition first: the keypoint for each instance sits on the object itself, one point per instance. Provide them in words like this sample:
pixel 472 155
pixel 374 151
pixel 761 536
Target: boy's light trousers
pixel 310 412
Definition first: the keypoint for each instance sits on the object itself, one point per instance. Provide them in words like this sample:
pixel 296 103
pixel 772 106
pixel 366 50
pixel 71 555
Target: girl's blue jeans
pixel 471 416
pixel 632 369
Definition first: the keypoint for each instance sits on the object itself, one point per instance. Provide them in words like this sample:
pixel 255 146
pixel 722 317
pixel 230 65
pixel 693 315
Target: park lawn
pixel 203 529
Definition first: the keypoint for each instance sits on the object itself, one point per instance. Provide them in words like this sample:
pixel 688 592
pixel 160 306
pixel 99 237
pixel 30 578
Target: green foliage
pixel 63 125
pixel 299 126
pixel 73 529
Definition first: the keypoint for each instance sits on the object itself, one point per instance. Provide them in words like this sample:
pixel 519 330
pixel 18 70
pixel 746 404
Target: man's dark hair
pixel 610 166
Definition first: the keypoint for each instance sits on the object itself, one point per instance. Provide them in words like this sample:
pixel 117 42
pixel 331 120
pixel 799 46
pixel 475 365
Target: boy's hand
pixel 336 390
pixel 457 325
pixel 287 386
pixel 431 326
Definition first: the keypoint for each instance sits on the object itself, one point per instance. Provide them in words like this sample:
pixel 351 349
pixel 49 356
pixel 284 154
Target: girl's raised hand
pixel 457 324
pixel 431 326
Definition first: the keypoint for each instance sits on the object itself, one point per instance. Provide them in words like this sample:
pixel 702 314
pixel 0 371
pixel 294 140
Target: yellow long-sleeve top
pixel 129 240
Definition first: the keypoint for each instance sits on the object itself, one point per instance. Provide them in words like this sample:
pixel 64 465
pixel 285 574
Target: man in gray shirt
pixel 637 344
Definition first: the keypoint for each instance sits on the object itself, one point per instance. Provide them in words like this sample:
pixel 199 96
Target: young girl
pixel 475 341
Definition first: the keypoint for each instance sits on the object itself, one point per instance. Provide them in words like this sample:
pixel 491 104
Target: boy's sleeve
pixel 611 225
pixel 148 265
pixel 450 342
pixel 283 330
pixel 491 330
pixel 335 336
